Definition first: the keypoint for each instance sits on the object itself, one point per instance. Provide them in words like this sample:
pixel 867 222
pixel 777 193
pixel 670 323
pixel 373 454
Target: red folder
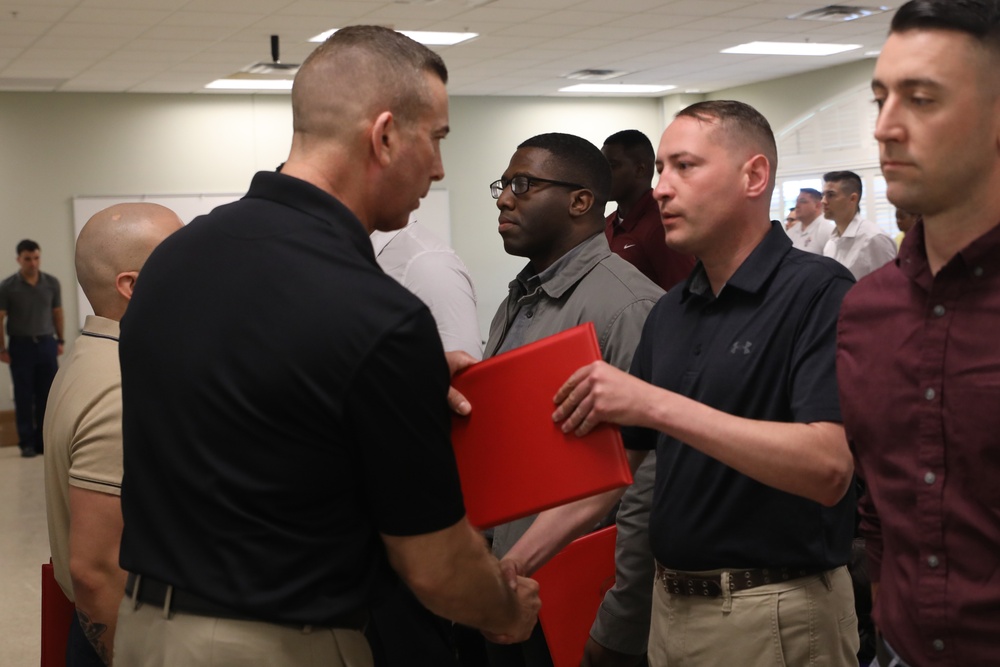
pixel 513 460
pixel 57 614
pixel 572 587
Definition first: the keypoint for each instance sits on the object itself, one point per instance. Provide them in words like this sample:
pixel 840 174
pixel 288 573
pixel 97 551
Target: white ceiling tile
pixel 525 45
pixel 116 16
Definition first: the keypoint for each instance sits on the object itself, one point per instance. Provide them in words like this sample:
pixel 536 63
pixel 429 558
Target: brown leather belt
pixel 683 583
pixel 159 594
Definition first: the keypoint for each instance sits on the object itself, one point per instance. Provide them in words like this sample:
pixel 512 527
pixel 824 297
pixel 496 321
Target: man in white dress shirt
pixel 857 243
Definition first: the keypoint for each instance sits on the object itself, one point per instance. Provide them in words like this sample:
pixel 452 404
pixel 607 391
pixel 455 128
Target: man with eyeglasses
pixel 551 199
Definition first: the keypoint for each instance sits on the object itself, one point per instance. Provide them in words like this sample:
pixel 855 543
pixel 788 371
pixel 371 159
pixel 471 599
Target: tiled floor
pixel 24 546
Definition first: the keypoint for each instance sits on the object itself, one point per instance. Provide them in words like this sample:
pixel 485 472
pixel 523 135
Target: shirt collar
pixel 755 270
pixel 101 326
pixel 979 257
pixel 852 228
pixel 567 270
pixel 638 211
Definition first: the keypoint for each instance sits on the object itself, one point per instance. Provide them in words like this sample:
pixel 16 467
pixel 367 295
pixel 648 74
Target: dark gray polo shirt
pixel 29 307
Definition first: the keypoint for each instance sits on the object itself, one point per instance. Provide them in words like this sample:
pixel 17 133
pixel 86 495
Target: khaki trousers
pixel 145 638
pixel 807 622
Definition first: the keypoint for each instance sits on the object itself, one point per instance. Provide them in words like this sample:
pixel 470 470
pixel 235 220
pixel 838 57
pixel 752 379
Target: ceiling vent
pixel 838 13
pixel 595 74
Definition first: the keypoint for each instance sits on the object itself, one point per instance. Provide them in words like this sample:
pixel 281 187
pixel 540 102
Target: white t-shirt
pixel 814 237
pixel 424 264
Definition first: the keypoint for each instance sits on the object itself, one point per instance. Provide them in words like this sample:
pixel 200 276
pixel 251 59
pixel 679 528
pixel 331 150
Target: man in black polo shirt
pixel 31 304
pixel 286 426
pixel 733 384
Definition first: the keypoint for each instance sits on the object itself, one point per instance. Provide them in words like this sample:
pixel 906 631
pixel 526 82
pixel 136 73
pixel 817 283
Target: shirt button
pixel 978 272
pixel 529 314
pixel 933 561
pixel 938 645
pixel 929 394
pixel 930 478
pixel 938 311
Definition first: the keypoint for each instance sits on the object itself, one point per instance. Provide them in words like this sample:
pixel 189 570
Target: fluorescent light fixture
pixel 424 37
pixel 620 88
pixel 790 48
pixel 251 84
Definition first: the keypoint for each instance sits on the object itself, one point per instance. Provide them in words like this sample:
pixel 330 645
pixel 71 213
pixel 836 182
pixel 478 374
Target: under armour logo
pixel 740 347
pixel 629 245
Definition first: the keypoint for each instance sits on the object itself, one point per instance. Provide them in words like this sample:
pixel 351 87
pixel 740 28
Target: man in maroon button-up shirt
pixel 918 360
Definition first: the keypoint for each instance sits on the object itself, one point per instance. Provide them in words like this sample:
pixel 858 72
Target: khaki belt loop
pixel 727 592
pixel 307 629
pixel 166 602
pixel 137 579
pixel 827 578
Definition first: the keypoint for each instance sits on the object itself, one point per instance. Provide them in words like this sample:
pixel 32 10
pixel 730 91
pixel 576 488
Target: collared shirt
pixel 29 307
pixel 919 371
pixel 591 284
pixel 862 248
pixel 812 238
pixel 83 432
pixel 640 240
pixel 762 349
pixel 284 404
pixel 427 266
pixel 587 284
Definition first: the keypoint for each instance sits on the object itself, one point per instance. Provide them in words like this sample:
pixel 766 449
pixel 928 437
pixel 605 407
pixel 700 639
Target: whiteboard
pixel 434 213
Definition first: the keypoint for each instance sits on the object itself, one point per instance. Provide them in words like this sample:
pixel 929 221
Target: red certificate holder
pixel 572 586
pixel 513 460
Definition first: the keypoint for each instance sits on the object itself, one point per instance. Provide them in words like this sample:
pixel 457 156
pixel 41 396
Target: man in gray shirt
pixel 551 200
pixel 31 304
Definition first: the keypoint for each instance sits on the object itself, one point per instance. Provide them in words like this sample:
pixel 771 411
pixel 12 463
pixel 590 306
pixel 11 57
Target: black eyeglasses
pixel 520 184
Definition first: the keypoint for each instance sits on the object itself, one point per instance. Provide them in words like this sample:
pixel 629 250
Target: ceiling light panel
pixel 790 48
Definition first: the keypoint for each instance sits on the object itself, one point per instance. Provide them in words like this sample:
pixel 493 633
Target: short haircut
pixel 390 65
pixel 635 143
pixel 27 245
pixel 578 161
pixel 741 123
pixel 977 18
pixel 812 192
pixel 848 180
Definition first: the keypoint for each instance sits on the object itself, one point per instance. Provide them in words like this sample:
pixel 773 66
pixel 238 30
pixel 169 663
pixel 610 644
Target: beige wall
pixel 55 146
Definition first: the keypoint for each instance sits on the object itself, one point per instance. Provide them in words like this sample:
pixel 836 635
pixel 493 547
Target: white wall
pixel 54 146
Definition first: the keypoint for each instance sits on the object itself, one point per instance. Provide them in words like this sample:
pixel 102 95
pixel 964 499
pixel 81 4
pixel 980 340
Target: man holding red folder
pixel 733 385
pixel 285 420
pixel 551 199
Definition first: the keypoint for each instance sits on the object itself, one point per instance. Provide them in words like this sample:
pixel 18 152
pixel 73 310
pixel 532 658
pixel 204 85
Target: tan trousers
pixel 808 622
pixel 146 639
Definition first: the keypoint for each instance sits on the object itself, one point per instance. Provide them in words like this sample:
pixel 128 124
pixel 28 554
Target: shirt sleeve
pixel 56 293
pixel 442 282
pixel 399 406
pixel 813 381
pixel 96 447
pixel 622 622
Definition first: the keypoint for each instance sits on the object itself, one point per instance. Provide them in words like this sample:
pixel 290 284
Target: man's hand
pixel 595 655
pixel 528 604
pixel 599 393
pixel 458 360
pixel 5 357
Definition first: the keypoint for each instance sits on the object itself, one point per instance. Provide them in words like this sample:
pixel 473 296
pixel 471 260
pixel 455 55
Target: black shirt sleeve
pixel 399 407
